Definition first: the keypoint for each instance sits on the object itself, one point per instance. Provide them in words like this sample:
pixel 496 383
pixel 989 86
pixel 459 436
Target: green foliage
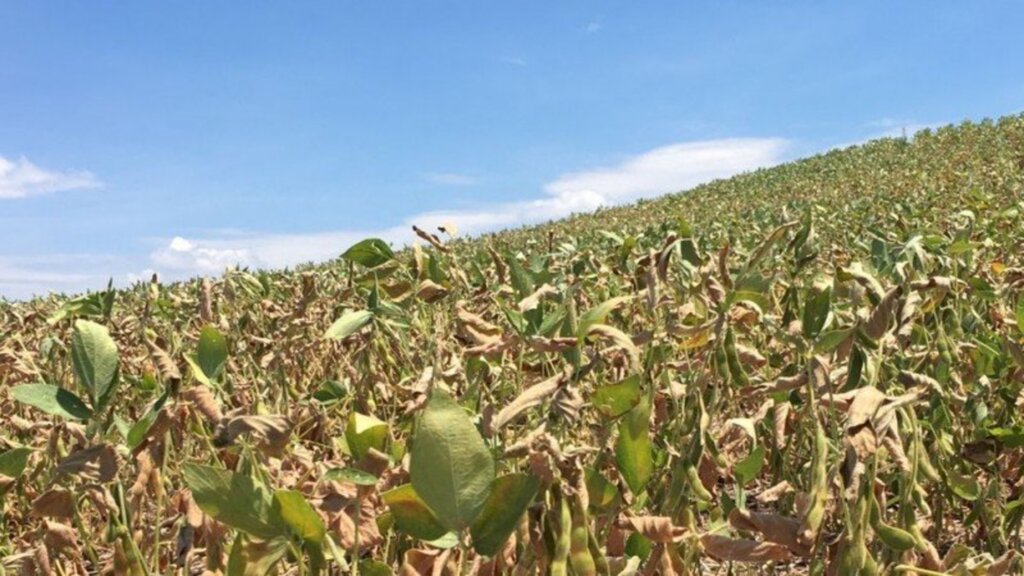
pixel 412 514
pixel 510 495
pixel 451 467
pixel 371 253
pixel 96 361
pixel 348 324
pixel 633 447
pixel 234 499
pixel 14 461
pixel 811 367
pixel 52 400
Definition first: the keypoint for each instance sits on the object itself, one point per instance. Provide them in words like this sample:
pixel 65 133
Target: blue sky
pixel 182 137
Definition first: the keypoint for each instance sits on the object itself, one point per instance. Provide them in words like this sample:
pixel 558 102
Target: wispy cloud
pixel 25 276
pixel 892 128
pixel 450 179
pixel 888 128
pixel 592 27
pixel 21 178
pixel 652 173
pixel 513 60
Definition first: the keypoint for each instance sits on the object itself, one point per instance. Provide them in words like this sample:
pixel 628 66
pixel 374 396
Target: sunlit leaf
pixel 450 465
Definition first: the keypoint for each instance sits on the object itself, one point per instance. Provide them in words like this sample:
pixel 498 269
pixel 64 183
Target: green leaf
pixel 816 310
pixel 412 515
pixel 747 469
pixel 52 400
pixel 365 432
pixel 94 356
pixel 1019 313
pixel 614 400
pixel 255 557
pixel 519 277
pixel 212 352
pixel 510 496
pixel 598 314
pixel 829 341
pixel 371 252
pixel 330 392
pixel 351 475
pixel 1009 437
pixel 299 516
pixel 603 493
pixel 14 461
pixel 450 465
pixel 137 433
pixel 639 546
pixel 348 324
pixel 368 567
pixel 965 487
pixel 633 447
pixel 198 373
pixel 234 499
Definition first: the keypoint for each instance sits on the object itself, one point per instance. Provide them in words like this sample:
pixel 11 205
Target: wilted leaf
pixel 656 528
pixel 272 432
pixel 54 503
pixel 98 464
pixel 740 550
pixel 531 397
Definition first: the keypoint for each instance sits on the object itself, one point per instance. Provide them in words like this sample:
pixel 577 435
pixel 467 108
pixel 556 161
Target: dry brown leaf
pixel 204 402
pixel 54 503
pixel 61 538
pixel 430 238
pixel 881 317
pixel 619 339
pixel 740 550
pixel 775 528
pixel 533 300
pixel 272 432
pixel 774 493
pixel 529 398
pixel 96 464
pixel 654 528
pixel 430 291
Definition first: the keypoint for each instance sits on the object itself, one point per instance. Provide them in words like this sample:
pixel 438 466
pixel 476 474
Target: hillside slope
pixel 814 366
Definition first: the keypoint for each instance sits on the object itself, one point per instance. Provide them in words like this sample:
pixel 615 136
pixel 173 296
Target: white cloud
pixel 451 179
pixel 592 27
pixel 21 178
pixel 889 128
pixel 515 61
pixel 25 276
pixel 653 173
